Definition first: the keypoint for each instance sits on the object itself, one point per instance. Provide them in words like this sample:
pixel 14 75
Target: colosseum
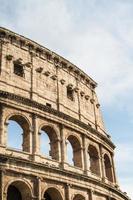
pixel 46 95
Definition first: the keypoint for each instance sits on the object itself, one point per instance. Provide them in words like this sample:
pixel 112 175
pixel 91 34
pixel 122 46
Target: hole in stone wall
pixel 13 193
pixel 69 153
pixel 75 151
pixel 14 136
pixel 49 105
pixel 49 142
pixel 108 168
pixel 70 93
pixel 18 134
pixel 94 160
pixel 52 194
pixel 18 69
pixel 44 144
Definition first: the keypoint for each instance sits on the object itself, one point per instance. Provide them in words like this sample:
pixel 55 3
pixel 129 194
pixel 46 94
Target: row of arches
pixel 18 137
pixel 19 190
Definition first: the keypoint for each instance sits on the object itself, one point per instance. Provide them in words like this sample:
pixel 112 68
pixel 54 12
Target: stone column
pixel 78 96
pixel 90 194
pixel 102 163
pixel 58 95
pixel 56 149
pixel 3 195
pixel 2 127
pixel 38 180
pixel 113 169
pixel 1 185
pixel 63 145
pixel 67 192
pixel 27 140
pixel 35 145
pixel 33 93
pixel 84 154
pixel 94 108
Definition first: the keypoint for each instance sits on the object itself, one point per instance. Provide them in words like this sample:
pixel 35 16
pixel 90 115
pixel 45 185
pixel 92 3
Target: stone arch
pixel 76 148
pixel 25 125
pixel 78 197
pixel 52 193
pixel 51 132
pixel 94 159
pixel 108 167
pixel 19 190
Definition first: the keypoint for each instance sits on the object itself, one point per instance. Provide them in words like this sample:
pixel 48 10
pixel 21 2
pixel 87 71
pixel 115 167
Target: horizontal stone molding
pixel 31 103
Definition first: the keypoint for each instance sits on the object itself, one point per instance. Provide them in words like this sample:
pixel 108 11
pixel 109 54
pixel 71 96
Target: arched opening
pixel 108 168
pixel 18 191
pixel 94 160
pixel 49 142
pixel 18 68
pixel 13 193
pixel 52 194
pixel 70 158
pixel 79 197
pixel 74 148
pixel 18 135
pixel 14 136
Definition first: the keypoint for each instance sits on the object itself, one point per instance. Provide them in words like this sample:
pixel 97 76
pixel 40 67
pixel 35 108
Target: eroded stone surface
pixel 40 90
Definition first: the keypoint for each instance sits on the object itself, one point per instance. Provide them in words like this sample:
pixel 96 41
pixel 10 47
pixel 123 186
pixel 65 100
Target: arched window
pixel 94 160
pixel 52 194
pixel 108 168
pixel 13 193
pixel 49 142
pixel 45 144
pixel 70 94
pixel 18 69
pixel 75 149
pixel 18 135
pixel 70 158
pixel 78 197
pixel 15 135
pixel 18 191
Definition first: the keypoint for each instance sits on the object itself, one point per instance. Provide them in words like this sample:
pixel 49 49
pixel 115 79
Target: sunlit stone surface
pixel 53 144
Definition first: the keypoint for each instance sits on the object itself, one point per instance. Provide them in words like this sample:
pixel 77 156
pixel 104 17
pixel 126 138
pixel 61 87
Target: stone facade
pixel 40 90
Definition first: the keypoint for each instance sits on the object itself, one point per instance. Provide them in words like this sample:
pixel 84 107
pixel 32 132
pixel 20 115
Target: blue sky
pixel 97 35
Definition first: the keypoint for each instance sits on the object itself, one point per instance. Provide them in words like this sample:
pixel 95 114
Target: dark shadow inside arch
pixel 52 194
pixel 13 193
pixel 108 168
pixel 18 190
pixel 78 197
pixel 47 196
pixel 94 160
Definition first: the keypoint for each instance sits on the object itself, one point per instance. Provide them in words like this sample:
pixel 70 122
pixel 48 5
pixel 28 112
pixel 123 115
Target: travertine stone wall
pixel 38 101
pixel 46 81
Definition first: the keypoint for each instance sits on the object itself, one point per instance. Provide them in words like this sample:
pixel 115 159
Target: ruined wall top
pixel 43 52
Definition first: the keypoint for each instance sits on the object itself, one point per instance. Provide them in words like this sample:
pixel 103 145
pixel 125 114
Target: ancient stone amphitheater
pixel 46 94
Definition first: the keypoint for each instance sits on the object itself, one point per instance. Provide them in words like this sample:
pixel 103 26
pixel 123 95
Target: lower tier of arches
pixel 15 186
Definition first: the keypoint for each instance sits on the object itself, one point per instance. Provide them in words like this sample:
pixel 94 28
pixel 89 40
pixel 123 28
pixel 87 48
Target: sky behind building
pixel 97 36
